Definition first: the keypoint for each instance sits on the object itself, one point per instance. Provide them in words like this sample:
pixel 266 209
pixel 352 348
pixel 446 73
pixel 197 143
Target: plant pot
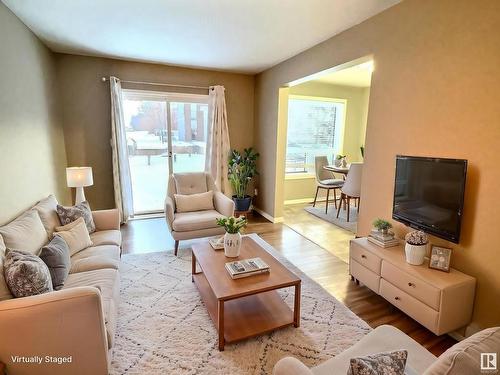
pixel 232 245
pixel 415 254
pixel 242 204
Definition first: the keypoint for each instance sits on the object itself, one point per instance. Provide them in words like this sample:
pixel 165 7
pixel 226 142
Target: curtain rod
pixel 104 79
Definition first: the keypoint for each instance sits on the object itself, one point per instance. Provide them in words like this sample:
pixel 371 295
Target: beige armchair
pixel 196 224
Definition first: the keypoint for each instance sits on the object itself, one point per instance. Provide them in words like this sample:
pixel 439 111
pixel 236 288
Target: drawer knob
pixel 412 285
pixel 397 298
pixel 363 256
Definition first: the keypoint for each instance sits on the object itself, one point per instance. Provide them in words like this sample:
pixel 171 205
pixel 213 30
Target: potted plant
pixel 416 246
pixel 341 161
pixel 232 238
pixel 382 225
pixel 242 169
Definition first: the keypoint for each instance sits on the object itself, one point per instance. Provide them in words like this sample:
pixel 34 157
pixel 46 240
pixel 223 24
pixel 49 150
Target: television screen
pixel 429 194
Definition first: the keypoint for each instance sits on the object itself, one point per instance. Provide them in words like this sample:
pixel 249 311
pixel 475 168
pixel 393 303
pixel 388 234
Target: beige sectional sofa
pixel 75 325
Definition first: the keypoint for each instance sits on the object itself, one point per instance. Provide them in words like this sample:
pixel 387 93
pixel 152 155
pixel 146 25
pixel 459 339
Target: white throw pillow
pixel 4 289
pixel 46 209
pixel 76 235
pixel 194 202
pixel 25 233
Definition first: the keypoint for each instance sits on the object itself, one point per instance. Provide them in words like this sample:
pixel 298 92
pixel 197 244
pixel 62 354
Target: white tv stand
pixel 440 301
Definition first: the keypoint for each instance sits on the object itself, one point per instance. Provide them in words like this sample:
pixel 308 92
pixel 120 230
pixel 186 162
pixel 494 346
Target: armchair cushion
pixel 190 183
pixel 194 202
pixel 190 221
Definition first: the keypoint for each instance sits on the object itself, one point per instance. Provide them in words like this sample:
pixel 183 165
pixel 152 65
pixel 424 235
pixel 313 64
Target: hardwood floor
pixel 150 235
pixel 328 236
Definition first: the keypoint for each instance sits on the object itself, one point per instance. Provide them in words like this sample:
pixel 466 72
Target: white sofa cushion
pixel 106 237
pixel 194 202
pixel 76 235
pixel 464 357
pixel 189 221
pixel 108 282
pixel 4 289
pixel 46 209
pixel 25 233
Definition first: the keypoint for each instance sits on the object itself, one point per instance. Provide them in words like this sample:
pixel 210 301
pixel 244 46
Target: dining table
pixel 335 169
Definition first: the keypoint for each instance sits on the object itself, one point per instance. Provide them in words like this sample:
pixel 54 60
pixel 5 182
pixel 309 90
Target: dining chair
pixel 351 188
pixel 325 181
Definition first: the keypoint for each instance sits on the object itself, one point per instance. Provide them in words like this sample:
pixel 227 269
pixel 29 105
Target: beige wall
pixel 86 109
pixel 354 131
pixel 32 154
pixel 434 92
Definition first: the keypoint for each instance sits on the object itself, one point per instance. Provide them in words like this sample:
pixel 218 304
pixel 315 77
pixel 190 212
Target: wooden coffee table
pixel 246 307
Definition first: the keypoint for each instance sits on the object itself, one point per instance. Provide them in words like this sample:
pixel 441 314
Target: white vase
pixel 232 245
pixel 415 254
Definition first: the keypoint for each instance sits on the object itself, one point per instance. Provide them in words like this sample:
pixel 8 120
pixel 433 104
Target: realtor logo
pixel 489 362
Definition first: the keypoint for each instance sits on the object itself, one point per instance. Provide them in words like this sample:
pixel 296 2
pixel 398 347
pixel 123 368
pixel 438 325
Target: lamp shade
pixel 79 176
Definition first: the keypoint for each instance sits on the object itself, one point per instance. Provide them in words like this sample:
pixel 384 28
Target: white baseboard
pixel 297 201
pixel 272 219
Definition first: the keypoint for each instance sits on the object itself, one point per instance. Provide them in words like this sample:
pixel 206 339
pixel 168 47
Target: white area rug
pixel 331 216
pixel 163 327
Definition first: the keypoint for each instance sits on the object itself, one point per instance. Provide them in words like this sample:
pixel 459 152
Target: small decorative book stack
pixel 383 239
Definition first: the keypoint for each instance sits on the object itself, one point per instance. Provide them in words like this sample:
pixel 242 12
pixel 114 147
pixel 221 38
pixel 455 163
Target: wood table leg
pixel 193 267
pixel 220 325
pixel 296 306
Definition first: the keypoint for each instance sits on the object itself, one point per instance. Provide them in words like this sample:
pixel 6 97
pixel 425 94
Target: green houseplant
pixel 232 238
pixel 242 169
pixel 382 225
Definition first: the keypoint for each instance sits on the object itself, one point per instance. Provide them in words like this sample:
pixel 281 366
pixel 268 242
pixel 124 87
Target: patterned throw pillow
pixel 56 256
pixel 392 363
pixel 26 274
pixel 69 214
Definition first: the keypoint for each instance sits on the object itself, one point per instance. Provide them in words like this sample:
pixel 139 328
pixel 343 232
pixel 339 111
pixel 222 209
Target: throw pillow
pixel 47 210
pixel 194 202
pixel 69 214
pixel 26 274
pixel 56 256
pixel 25 233
pixel 77 237
pixel 393 363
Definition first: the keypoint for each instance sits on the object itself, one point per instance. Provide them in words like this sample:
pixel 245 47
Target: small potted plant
pixel 242 169
pixel 341 161
pixel 232 238
pixel 382 225
pixel 416 247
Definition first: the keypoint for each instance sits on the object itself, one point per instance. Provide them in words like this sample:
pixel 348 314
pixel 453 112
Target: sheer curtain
pixel 122 182
pixel 218 147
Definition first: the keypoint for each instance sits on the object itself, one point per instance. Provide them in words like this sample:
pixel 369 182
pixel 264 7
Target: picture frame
pixel 440 258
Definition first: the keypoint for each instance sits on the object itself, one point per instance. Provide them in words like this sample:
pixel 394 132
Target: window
pixel 315 127
pixel 159 144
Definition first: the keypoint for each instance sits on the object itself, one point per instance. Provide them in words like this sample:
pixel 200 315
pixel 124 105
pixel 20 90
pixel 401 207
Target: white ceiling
pixel 235 35
pixel 357 76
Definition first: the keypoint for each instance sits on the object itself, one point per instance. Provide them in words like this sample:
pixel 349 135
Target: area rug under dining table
pixel 164 328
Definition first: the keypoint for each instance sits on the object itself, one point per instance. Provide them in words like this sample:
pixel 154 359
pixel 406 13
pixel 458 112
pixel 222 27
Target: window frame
pixel 309 175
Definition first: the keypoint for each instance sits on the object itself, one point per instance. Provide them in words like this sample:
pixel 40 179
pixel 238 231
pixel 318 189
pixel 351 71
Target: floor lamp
pixel 79 177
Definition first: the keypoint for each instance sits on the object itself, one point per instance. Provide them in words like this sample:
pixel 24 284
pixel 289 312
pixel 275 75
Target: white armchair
pixel 195 224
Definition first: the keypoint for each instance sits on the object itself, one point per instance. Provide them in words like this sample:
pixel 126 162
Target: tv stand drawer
pixel 366 258
pixel 411 306
pixel 363 274
pixel 415 287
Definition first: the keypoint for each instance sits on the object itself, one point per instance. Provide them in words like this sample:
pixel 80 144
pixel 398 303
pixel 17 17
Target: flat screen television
pixel 429 194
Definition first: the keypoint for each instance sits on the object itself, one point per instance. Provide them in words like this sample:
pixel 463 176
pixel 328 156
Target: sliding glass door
pixel 166 133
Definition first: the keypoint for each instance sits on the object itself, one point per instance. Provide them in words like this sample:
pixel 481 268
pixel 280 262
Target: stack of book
pixel 383 239
pixel 246 267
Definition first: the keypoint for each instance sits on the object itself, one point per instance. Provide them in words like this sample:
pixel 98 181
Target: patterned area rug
pixel 331 216
pixel 163 327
